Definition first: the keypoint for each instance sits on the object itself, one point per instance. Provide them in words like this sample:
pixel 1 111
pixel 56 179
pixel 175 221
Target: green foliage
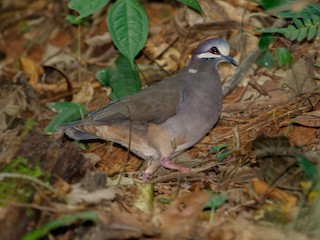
pixel 264 41
pixel 15 189
pixel 304 28
pixel 309 168
pixel 215 201
pixel 43 230
pixel 128 27
pixel 68 112
pixel 122 77
pixel 87 7
pixel 221 151
pixel 266 60
pixel 74 20
pixel 284 57
pixel 193 4
pixel 267 4
pixel 305 24
pixel 127 21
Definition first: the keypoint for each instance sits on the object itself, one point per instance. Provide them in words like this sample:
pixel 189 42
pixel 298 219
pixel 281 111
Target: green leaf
pixel 87 7
pixel 267 4
pixel 315 19
pixel 60 222
pixel 284 56
pixel 298 23
pixel 104 76
pixel 291 32
pixel 307 20
pixel 302 34
pixel 221 151
pixel 223 154
pixel 193 4
pixel 309 28
pixel 68 112
pixel 266 60
pixel 308 167
pixel 218 148
pixel 122 77
pixel 264 41
pixel 128 26
pixel 312 32
pixel 76 21
pixel 216 200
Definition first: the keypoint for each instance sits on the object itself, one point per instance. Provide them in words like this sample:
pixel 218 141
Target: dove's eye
pixel 214 50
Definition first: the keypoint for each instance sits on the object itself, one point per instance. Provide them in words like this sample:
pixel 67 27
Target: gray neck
pixel 203 64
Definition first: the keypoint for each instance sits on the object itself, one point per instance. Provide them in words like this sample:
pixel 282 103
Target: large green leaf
pixel 193 4
pixel 68 112
pixel 128 26
pixel 122 77
pixel 87 7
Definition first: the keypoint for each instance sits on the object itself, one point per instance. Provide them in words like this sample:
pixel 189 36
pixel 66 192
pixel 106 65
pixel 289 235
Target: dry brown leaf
pixel 32 69
pixel 180 217
pixel 99 40
pixel 85 94
pixel 79 195
pixel 299 79
pixel 273 192
pixel 12 102
pixel 55 57
pixel 310 119
pixel 169 60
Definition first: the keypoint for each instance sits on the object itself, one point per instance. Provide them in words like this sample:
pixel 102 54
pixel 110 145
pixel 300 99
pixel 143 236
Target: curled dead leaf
pixel 310 119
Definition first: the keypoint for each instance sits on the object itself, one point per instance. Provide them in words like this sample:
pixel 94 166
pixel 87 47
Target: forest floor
pixel 254 171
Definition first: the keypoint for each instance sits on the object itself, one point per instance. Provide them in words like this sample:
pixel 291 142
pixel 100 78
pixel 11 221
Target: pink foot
pixel 146 176
pixel 150 170
pixel 168 164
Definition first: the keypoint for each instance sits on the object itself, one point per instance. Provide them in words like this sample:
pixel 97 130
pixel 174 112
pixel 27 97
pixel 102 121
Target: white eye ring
pixel 208 55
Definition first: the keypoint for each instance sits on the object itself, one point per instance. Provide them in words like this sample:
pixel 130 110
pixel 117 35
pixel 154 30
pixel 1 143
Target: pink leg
pixel 165 162
pixel 150 170
pixel 168 164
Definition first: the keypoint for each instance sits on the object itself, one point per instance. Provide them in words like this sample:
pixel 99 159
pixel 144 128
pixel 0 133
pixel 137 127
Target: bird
pixel 166 118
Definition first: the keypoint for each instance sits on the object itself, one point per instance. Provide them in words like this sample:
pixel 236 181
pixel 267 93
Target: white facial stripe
pixel 208 55
pixel 224 50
